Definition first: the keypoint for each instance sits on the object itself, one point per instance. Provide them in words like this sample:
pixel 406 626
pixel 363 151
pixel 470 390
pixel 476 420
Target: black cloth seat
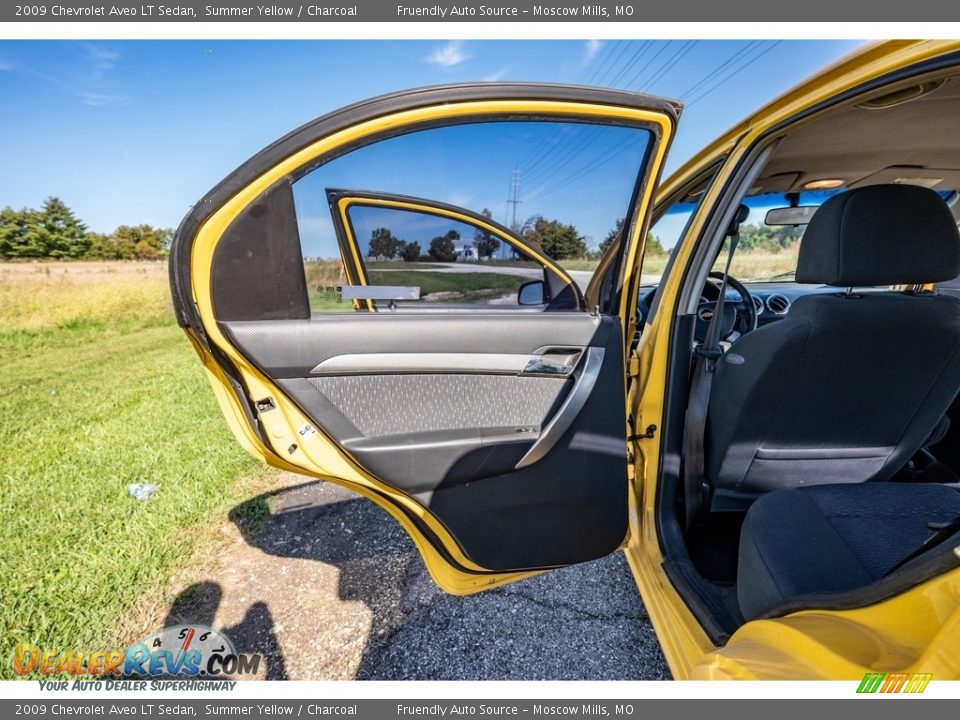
pixel 848 386
pixel 832 538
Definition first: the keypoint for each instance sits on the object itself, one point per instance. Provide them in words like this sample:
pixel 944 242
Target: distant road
pixel 581 277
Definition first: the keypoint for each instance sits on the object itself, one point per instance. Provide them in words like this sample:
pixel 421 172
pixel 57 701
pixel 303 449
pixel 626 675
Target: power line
pixel 633 81
pixel 584 135
pixel 717 70
pixel 606 53
pixel 733 74
pixel 586 169
pixel 672 62
pixel 634 59
pixel 623 48
pixel 542 175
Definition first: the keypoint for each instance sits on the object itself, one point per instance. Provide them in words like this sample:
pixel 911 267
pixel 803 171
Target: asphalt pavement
pixel 326 585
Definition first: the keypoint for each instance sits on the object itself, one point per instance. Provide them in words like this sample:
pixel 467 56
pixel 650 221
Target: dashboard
pixel 772 300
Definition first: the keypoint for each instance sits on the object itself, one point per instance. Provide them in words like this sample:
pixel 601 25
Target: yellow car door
pixel 465 373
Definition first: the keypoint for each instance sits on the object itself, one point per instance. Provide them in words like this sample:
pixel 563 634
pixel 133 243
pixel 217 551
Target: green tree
pixel 611 236
pixel 61 233
pixel 485 241
pixel 442 248
pixel 20 235
pixel 768 238
pixel 384 243
pixel 411 252
pixel 654 247
pixel 556 239
pixel 149 243
pixel 131 242
pixel 104 247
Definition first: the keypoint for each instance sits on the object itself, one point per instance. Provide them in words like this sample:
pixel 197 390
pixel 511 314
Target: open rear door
pixel 447 340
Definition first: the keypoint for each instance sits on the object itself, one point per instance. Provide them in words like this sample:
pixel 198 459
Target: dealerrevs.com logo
pixel 895 682
pixel 181 650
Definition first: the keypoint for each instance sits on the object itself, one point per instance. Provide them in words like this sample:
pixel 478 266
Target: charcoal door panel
pixel 452 439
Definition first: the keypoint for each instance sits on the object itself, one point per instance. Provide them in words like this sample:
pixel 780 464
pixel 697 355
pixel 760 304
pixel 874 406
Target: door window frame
pixel 556 279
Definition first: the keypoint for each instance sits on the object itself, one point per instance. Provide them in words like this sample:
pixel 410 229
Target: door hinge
pixel 647 434
pixel 633 366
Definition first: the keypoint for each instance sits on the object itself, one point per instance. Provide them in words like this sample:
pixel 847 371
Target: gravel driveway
pixel 329 587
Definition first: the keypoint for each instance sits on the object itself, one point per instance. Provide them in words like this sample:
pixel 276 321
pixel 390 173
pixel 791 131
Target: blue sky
pixel 582 175
pixel 136 131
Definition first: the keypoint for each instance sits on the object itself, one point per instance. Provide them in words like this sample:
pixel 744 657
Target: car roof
pixel 866 62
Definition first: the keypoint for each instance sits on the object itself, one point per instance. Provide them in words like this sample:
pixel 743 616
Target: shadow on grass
pixel 318 522
pixel 198 604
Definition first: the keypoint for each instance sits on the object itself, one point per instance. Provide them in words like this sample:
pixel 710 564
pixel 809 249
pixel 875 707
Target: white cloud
pixel 493 77
pixel 5 66
pixel 591 50
pixel 449 55
pixel 101 58
pixel 93 99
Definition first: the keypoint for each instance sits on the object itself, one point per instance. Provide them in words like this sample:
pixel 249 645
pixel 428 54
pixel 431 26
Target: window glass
pixel 663 238
pixel 561 186
pixel 448 260
pixel 768 251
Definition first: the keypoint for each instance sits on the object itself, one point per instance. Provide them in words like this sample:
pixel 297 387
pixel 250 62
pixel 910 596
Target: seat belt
pixel 705 357
pixel 943 531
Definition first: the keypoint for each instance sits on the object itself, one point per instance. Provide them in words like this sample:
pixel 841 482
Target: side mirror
pixel 530 293
pixel 790 215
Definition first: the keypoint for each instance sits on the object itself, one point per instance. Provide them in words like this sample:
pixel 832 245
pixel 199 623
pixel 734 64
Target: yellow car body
pixel 916 631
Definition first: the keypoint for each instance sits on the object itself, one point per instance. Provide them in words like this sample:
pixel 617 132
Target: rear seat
pixel 833 538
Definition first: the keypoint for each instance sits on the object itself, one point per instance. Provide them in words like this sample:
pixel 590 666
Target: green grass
pixel 466 287
pixel 579 264
pixel 397 265
pixel 88 406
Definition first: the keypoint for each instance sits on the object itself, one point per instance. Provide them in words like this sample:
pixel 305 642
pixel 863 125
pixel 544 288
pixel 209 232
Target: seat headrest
pixel 880 235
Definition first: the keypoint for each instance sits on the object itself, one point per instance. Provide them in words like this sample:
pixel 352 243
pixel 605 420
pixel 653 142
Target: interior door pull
pixel 561 422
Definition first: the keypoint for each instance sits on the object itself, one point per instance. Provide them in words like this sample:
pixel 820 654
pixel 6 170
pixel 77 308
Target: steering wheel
pixel 739 317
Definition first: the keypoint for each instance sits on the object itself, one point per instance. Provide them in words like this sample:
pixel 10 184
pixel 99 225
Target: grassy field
pixel 100 389
pixel 472 287
pixel 747 264
pixel 435 286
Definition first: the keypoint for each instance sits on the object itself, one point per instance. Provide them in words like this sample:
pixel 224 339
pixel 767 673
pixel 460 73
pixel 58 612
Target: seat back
pixel 849 385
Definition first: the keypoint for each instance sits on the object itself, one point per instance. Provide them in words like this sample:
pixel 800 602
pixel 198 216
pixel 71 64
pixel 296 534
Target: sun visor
pixel 938 179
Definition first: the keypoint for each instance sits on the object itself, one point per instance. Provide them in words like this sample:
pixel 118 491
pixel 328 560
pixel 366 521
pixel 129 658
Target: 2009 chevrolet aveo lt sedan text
pixel 752 392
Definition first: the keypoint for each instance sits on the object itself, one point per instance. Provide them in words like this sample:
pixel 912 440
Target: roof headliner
pixel 857 142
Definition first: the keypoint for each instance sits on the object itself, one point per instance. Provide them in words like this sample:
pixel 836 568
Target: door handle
pixel 559 424
pixel 552 363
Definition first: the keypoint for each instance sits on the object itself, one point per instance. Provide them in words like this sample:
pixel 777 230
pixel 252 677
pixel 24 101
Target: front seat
pixel 849 385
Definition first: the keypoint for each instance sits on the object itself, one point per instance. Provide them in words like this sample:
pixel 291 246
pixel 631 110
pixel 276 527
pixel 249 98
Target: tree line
pixel 54 232
pixel 766 238
pixel 558 240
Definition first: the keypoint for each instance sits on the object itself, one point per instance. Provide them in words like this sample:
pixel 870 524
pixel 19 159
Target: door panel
pixel 496 437
pixel 294 348
pixel 440 421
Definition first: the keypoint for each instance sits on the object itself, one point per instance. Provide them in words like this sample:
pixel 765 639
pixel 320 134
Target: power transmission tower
pixel 514 199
